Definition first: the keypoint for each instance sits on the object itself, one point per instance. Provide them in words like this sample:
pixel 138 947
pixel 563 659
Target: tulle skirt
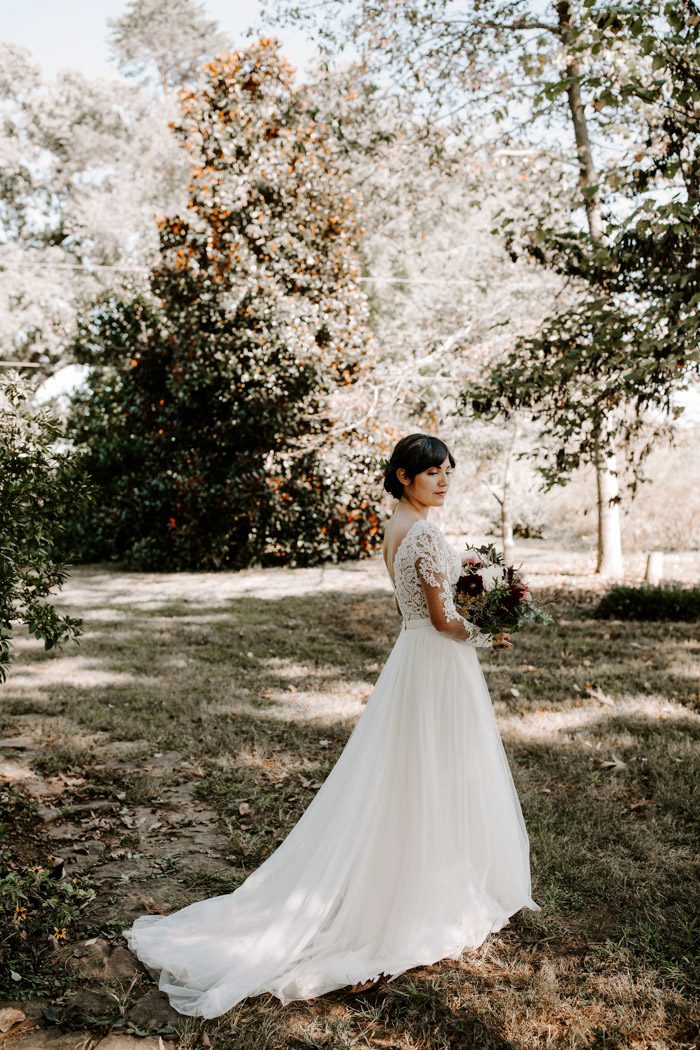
pixel 413 850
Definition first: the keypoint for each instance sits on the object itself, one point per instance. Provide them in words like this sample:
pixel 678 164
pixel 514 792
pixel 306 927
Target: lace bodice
pixel 425 554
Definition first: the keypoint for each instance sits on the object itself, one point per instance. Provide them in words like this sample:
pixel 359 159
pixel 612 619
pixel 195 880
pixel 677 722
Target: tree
pixel 83 169
pixel 206 432
pixel 631 340
pixel 525 70
pixel 446 298
pixel 447 302
pixel 172 37
pixel 38 481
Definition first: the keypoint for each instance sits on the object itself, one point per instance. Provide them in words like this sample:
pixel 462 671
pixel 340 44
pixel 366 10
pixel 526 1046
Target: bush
pixel 526 530
pixel 667 602
pixel 207 420
pixel 38 481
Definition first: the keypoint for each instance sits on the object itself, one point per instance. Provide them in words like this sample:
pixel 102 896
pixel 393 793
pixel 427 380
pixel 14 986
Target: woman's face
pixel 428 488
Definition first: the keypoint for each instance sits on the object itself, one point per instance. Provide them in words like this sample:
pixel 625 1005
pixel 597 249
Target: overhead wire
pixel 99 267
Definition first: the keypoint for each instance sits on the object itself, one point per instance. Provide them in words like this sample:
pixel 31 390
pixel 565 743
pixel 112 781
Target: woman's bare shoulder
pixel 397 528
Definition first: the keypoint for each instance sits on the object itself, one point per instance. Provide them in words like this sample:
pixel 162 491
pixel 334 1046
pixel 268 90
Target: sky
pixel 72 34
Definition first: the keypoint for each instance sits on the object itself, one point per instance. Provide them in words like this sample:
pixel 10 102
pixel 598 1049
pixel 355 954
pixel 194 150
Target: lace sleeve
pixel 432 568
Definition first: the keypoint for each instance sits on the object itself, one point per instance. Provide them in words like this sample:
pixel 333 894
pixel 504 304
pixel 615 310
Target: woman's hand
pixel 500 640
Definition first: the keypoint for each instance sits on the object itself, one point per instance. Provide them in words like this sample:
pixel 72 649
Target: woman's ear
pixel 402 476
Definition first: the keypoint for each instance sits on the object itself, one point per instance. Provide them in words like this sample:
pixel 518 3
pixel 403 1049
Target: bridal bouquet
pixel 494 596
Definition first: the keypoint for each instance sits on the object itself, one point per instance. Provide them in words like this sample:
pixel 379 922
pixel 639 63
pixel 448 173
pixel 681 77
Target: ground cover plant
pixel 171 752
pixel 670 602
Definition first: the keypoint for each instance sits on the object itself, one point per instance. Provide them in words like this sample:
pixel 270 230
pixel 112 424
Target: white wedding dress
pixel 413 850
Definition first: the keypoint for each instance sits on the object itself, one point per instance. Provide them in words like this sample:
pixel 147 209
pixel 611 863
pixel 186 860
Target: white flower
pixel 491 575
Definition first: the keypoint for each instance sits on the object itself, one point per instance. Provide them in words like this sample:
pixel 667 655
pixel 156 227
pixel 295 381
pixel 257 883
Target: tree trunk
pixel 506 502
pixel 654 568
pixel 507 529
pixel 162 67
pixel 609 562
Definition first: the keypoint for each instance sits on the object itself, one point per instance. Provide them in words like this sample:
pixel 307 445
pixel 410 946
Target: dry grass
pixel 189 695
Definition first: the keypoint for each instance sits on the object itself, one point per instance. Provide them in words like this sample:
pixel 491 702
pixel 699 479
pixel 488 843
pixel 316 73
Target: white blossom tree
pixel 84 167
pixel 447 299
pixel 164 40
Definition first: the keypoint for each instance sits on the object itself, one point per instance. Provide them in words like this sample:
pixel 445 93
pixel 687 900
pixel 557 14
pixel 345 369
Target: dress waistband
pixel 412 625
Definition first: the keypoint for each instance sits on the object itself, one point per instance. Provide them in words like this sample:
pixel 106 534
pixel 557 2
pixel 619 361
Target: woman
pixel 414 849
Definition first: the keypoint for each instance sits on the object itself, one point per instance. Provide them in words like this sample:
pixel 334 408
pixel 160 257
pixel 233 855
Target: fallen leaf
pixel 244 808
pixel 615 764
pixel 154 907
pixel 596 693
pixel 195 769
pixel 56 868
pixel 71 781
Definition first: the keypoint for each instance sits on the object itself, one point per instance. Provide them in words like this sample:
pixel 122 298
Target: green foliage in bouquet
pixel 208 418
pixel 668 602
pixel 507 605
pixel 38 482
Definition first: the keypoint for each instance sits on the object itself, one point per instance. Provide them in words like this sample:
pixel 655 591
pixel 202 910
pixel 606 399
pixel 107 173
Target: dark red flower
pixel 471 585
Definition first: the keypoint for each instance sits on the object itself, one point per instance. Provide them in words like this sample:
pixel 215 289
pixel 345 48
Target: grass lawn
pixel 164 757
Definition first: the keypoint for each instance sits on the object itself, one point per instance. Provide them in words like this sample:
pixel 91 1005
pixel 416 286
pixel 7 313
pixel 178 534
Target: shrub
pixel 207 418
pixel 38 481
pixel 667 602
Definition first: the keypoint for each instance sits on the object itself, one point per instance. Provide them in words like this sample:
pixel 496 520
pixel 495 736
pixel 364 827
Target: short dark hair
pixel 415 453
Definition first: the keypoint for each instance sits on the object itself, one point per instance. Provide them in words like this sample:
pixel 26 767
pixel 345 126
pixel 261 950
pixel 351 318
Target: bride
pixel 414 849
